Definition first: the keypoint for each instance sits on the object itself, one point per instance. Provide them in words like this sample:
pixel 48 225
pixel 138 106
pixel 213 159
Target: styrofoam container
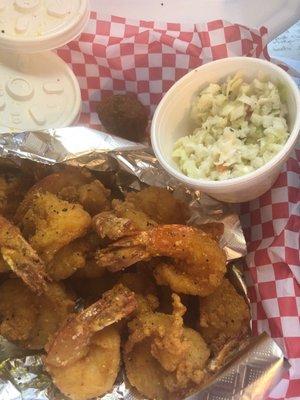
pixel 37 88
pixel 172 121
pixel 37 91
pixel 31 26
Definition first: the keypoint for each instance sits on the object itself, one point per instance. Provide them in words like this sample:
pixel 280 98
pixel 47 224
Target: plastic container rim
pixel 210 184
pixel 49 41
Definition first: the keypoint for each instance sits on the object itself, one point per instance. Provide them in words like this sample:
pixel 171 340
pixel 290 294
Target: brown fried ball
pixel 123 115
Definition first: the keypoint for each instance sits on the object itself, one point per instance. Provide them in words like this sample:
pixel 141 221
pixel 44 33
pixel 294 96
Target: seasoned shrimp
pixel 123 220
pixel 54 308
pixel 180 280
pixel 177 353
pixel 67 260
pixel 84 355
pixel 76 256
pixel 21 258
pixel 72 340
pixel 29 319
pixel 108 225
pixel 197 259
pixel 159 204
pixel 223 315
pixel 17 313
pixel 51 223
pixel 73 186
pixel 140 220
pixel 144 372
pixel 143 285
pixel 13 186
pixel 3 265
pixel 94 374
pixel 214 229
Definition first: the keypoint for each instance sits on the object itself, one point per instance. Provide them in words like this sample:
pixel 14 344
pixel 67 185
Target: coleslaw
pixel 239 127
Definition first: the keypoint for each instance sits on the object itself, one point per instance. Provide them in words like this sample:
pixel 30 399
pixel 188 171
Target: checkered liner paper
pixel 116 55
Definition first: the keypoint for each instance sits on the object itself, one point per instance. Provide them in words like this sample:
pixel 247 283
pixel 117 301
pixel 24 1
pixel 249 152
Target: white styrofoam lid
pixel 276 15
pixel 31 26
pixel 37 91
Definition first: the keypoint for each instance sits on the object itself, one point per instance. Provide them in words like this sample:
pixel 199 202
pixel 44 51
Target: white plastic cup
pixel 29 29
pixel 64 31
pixel 172 121
pixel 53 99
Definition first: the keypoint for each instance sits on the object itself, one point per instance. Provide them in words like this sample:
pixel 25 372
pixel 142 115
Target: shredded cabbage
pixel 240 127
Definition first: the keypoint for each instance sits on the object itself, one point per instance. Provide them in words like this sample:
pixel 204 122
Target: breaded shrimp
pixel 140 220
pixel 123 220
pixel 75 256
pixel 214 229
pixel 13 186
pixel 71 185
pixel 144 372
pixel 94 374
pixel 21 258
pixel 83 357
pixel 18 313
pixel 50 224
pixel 196 257
pixel 3 265
pixel 28 319
pixel 67 260
pixel 177 354
pixel 159 204
pixel 223 315
pixel 143 285
pixel 72 340
pixel 108 225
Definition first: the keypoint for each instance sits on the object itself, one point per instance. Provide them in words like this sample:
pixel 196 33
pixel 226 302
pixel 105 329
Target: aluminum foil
pixel 254 366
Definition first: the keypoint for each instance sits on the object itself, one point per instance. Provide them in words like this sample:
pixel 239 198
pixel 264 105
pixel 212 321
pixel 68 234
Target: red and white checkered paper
pixel 117 55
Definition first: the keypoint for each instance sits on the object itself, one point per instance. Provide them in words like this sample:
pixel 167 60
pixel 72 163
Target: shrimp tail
pixel 71 341
pixel 108 225
pixel 117 259
pixel 22 258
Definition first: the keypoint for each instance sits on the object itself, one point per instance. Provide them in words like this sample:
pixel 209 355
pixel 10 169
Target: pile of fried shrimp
pixel 153 290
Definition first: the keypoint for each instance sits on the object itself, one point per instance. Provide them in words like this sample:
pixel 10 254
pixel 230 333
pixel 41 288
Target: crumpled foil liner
pixel 254 367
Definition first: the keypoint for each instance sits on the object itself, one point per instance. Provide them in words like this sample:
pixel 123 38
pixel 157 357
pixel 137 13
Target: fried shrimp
pixel 139 212
pixel 72 340
pixel 214 229
pixel 50 224
pixel 3 265
pixel 108 225
pixel 144 372
pixel 176 358
pixel 94 374
pixel 13 186
pixel 21 258
pixel 140 220
pixel 83 357
pixel 144 288
pixel 28 319
pixel 159 204
pixel 122 221
pixel 73 186
pixel 67 260
pixel 197 260
pixel 17 313
pixel 223 315
pixel 75 256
